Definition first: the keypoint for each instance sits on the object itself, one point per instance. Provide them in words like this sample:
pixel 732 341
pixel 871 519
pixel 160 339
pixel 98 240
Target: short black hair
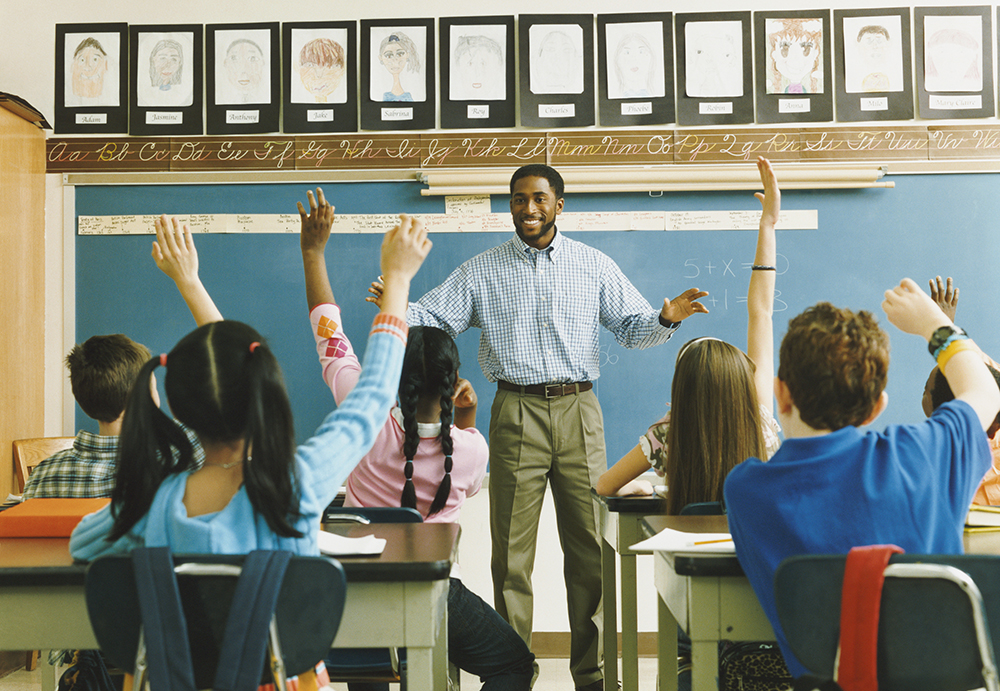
pixel 538 170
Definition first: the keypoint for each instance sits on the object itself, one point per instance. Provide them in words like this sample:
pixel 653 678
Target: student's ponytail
pixel 269 475
pixel 145 452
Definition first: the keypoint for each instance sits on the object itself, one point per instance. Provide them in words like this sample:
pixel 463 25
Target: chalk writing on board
pixel 450 222
pixel 718 269
pixel 467 204
pixel 779 305
pixel 605 356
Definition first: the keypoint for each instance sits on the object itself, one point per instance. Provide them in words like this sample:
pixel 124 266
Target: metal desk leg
pixel 667 644
pixel 609 578
pixel 630 624
pixel 704 665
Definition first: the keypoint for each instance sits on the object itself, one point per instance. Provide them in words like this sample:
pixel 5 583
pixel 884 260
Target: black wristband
pixel 668 325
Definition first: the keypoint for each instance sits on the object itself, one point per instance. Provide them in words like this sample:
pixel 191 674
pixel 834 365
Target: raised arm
pixel 913 311
pixel 313 237
pixel 403 251
pixel 760 298
pixel 176 256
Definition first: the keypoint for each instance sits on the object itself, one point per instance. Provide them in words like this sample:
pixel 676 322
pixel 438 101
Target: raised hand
pixel 684 305
pixel 317 223
pixel 770 200
pixel 404 249
pixel 174 251
pixel 946 297
pixel 912 310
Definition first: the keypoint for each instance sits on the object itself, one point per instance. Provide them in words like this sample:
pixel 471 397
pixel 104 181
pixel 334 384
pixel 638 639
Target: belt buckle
pixel 560 388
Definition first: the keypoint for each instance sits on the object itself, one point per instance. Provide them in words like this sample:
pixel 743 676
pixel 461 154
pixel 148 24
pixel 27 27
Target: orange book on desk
pixel 47 517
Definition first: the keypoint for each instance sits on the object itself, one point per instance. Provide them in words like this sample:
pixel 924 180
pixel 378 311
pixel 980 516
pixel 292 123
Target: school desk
pixel 619 519
pixel 708 596
pixel 397 599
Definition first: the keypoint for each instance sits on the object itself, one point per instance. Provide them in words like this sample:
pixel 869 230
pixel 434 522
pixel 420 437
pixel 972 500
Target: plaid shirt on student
pixel 87 470
pixel 540 310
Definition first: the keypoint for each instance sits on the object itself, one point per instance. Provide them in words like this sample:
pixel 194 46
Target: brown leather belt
pixel 547 390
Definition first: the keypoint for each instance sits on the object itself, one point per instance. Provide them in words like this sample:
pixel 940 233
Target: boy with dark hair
pixel 101 372
pixel 831 486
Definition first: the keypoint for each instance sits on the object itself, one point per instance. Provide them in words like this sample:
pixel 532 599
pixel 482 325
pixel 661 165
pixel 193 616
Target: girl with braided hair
pixel 428 455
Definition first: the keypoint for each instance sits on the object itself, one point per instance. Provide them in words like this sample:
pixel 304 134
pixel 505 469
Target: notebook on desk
pixel 47 517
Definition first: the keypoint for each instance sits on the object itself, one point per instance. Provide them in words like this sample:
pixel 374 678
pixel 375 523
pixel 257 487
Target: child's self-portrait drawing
pixel 713 59
pixel 478 63
pixel 873 55
pixel 320 64
pixel 242 66
pixel 556 58
pixel 92 69
pixel 165 74
pixel 635 60
pixel 794 55
pixel 953 53
pixel 397 72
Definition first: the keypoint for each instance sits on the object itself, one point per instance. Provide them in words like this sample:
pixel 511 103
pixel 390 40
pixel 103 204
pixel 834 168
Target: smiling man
pixel 540 299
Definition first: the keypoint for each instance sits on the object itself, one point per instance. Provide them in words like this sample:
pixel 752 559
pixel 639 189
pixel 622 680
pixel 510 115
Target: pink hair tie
pixel 163 359
pixel 253 346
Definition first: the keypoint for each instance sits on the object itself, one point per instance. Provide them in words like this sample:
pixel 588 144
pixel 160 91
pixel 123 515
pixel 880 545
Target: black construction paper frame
pixel 875 105
pixel 465 113
pixel 320 117
pixel 721 110
pixel 936 105
pixel 396 115
pixel 166 119
pixel 638 110
pixel 248 118
pixel 791 107
pixel 556 109
pixel 72 118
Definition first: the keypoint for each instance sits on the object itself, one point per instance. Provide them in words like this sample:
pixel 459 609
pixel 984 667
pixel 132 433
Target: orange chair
pixel 30 452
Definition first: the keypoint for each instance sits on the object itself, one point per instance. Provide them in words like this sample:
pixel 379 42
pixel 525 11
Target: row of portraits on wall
pixel 152 79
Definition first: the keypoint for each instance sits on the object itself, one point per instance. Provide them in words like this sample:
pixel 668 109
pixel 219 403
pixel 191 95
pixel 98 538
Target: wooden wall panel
pixel 22 276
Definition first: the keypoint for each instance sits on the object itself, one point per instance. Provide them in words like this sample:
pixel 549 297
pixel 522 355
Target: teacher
pixel 540 299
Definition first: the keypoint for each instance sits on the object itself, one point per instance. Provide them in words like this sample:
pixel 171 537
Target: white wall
pixel 27 32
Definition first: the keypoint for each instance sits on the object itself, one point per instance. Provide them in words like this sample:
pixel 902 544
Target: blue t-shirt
pixel 910 485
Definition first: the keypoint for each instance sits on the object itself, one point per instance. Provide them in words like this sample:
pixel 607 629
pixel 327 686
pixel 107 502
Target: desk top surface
pixel 632 504
pixel 413 552
pixel 709 564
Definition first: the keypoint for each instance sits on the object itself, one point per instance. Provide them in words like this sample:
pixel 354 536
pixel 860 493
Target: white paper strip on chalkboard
pixel 798 219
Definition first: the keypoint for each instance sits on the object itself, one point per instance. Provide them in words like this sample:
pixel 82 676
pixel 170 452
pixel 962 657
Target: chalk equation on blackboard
pixel 454 222
pixel 696 267
pixel 729 269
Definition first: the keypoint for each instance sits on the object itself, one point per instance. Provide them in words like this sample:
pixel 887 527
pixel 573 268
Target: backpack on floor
pixel 753 666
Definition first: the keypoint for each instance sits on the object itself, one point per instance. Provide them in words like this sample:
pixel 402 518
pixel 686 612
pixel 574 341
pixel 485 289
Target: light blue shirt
pixel 321 464
pixel 540 311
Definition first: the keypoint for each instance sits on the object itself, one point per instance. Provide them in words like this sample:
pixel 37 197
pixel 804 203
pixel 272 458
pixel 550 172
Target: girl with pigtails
pixel 255 490
pixel 427 456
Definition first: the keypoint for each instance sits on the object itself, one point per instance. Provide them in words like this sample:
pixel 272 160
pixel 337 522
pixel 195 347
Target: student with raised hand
pixel 255 489
pixel 721 398
pixel 427 456
pixel 832 486
pixel 937 391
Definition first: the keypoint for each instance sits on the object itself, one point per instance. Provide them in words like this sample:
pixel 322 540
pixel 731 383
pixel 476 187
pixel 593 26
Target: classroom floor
pixel 553 676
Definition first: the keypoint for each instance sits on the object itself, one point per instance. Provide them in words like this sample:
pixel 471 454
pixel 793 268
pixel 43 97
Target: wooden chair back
pixel 30 452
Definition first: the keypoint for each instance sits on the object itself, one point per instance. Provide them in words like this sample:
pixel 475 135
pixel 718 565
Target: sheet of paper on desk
pixel 668 540
pixel 339 546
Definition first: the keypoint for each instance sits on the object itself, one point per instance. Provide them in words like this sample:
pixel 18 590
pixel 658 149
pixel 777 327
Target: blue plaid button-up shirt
pixel 540 310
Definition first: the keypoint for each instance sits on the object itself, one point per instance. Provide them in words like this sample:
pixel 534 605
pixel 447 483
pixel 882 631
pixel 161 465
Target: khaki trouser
pixel 534 440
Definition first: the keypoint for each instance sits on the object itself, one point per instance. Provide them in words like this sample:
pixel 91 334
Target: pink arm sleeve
pixel 340 365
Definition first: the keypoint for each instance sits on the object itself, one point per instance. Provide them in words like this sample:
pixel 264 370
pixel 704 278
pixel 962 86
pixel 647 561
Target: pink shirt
pixel 378 479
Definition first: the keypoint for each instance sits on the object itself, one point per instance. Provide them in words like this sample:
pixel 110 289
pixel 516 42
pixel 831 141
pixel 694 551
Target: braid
pixel 447 446
pixel 408 394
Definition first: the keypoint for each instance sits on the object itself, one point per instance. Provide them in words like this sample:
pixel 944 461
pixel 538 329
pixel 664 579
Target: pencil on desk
pixel 712 542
